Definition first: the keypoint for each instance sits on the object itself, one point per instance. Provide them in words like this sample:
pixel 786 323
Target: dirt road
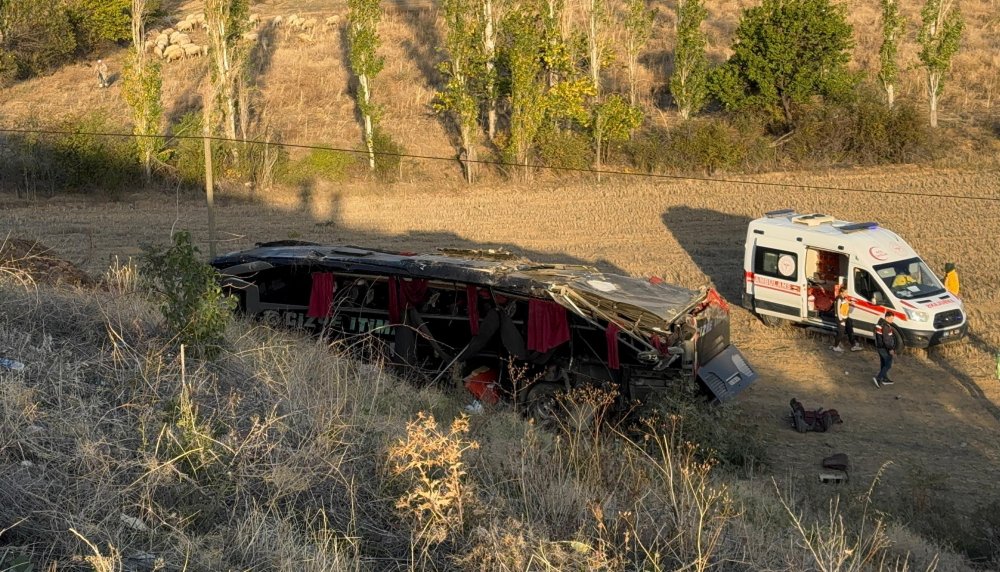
pixel 942 418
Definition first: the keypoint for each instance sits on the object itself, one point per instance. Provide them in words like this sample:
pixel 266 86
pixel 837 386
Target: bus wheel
pixel 542 403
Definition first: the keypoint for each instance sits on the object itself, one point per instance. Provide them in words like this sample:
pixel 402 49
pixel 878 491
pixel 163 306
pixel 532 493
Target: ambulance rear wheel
pixel 770 321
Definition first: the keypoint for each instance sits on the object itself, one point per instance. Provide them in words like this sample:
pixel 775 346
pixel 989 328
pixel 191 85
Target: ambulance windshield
pixel 909 279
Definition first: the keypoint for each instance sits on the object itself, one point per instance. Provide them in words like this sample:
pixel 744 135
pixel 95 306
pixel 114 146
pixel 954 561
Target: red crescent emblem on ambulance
pixel 877 253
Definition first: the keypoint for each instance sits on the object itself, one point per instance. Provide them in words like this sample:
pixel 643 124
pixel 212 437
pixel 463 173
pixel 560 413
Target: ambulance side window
pixel 867 287
pixel 776 263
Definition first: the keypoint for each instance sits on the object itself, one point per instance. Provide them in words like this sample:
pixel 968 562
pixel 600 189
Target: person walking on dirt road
pixel 885 344
pixel 845 328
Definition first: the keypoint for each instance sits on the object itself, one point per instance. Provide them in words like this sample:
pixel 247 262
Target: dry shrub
pixel 430 464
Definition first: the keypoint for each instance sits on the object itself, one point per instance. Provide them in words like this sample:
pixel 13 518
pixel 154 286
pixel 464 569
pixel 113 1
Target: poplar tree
pixel 458 96
pixel 892 31
pixel 141 89
pixel 489 26
pixel 939 40
pixel 225 20
pixel 638 24
pixel 523 46
pixel 689 81
pixel 363 40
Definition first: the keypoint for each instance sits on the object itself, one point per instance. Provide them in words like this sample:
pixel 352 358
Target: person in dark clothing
pixel 885 344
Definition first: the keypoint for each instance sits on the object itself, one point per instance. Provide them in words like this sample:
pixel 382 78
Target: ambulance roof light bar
pixel 855 227
pixel 779 213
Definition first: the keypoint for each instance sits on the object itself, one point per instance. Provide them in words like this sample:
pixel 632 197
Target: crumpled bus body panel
pixel 463 308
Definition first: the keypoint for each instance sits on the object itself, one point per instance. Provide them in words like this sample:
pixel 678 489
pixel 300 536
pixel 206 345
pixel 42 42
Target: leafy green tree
pixel 488 82
pixel 192 302
pixel 892 32
pixel 458 96
pixel 35 36
pixel 786 52
pixel 362 32
pixel 141 88
pixel 939 41
pixel 614 121
pixel 638 28
pixel 689 82
pixel 523 45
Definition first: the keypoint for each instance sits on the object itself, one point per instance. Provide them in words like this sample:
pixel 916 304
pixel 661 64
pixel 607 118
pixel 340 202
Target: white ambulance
pixel 793 261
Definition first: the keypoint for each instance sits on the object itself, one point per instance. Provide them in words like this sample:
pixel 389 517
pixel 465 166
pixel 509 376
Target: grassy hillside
pixel 306 94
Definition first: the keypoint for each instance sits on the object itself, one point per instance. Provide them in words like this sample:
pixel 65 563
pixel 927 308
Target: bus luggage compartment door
pixel 726 374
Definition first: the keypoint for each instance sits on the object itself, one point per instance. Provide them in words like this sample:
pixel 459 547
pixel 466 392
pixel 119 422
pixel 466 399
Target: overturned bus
pixel 470 314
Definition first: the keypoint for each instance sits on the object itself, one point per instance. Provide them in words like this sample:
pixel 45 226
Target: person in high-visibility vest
pixel 845 329
pixel 951 278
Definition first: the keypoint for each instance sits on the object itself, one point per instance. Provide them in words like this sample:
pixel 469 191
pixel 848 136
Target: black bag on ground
pixel 819 419
pixel 837 462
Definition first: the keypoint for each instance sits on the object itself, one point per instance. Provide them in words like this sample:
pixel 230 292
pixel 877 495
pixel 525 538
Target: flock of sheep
pixel 175 43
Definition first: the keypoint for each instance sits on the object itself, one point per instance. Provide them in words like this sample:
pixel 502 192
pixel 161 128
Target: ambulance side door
pixel 868 300
pixel 777 287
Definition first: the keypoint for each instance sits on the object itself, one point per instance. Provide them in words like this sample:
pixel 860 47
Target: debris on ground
pixel 39 263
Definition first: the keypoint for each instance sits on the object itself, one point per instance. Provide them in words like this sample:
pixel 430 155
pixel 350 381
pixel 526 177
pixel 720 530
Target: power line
pixel 509 165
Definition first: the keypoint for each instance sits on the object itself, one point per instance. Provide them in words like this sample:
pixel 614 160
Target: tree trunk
pixel 597 154
pixel 369 142
pixel 890 94
pixel 933 80
pixel 633 65
pixel 489 51
pixel 595 55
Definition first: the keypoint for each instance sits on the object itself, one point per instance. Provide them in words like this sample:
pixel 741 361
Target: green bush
pixel 86 161
pixel 97 22
pixel 709 145
pixel 332 166
pixel 188 155
pixel 387 156
pixel 192 302
pixel 565 148
pixel 37 35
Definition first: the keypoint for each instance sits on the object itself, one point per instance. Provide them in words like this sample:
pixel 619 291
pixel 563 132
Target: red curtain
pixel 611 333
pixel 472 300
pixel 321 295
pixel 548 325
pixel 404 294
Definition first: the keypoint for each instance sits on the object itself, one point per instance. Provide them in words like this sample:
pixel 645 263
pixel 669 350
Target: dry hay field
pixel 939 424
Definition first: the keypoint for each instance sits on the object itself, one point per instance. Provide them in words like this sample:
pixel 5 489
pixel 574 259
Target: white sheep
pixel 173 53
pixel 168 31
pixel 204 50
pixel 158 50
pixel 249 36
pixel 331 21
pixel 253 19
pixel 308 25
pixel 149 44
pixel 179 39
pixel 162 41
pixel 305 38
pixel 184 25
pixel 191 50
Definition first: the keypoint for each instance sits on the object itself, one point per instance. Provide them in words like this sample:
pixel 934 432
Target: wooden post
pixel 209 194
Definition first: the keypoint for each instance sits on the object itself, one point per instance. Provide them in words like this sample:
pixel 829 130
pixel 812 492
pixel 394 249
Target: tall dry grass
pixel 118 452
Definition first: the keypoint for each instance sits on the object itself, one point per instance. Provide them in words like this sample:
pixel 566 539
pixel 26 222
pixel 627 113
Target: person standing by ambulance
pixel 951 283
pixel 885 344
pixel 845 327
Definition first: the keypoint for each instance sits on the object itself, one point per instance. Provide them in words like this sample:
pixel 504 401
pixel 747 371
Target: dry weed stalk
pixel 430 460
pixel 833 547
